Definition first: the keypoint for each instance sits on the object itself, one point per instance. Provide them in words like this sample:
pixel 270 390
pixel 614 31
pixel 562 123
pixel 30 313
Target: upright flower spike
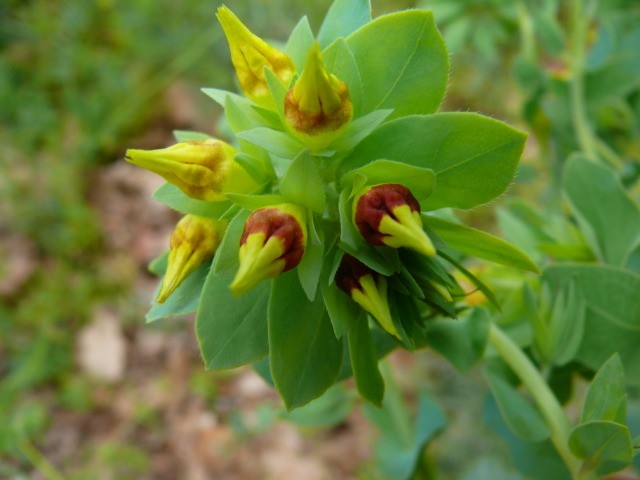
pixel 368 289
pixel 204 170
pixel 318 107
pixel 194 241
pixel 273 241
pixel 250 55
pixel 389 215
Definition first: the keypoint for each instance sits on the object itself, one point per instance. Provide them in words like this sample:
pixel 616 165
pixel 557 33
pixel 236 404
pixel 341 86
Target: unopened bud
pixel 389 215
pixel 204 170
pixel 318 106
pixel 368 289
pixel 194 241
pixel 273 241
pixel 250 55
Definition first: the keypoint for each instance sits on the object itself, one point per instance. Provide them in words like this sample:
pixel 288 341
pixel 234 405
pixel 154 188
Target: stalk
pixel 543 396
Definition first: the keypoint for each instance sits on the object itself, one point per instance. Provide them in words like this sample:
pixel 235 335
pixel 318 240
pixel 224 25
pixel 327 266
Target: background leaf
pixel 461 341
pixel 612 318
pixel 607 396
pixel 343 18
pixel 604 446
pixel 609 218
pixel 522 418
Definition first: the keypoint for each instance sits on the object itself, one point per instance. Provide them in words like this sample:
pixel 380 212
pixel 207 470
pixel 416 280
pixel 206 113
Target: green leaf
pixel 226 257
pixel 343 18
pixel 358 130
pixel 304 354
pixel 612 322
pixel 184 299
pixel 566 325
pixel 330 409
pixel 253 202
pixel 403 63
pixel 302 183
pixel 462 341
pixel 474 157
pixel 310 267
pixel 158 265
pixel 189 136
pixel 231 331
pixel 299 43
pixel 479 244
pixel 609 218
pixel 175 198
pixel 364 361
pixel 604 447
pixel 278 91
pixel 274 141
pixel 421 181
pixel 342 311
pixel 607 396
pixel 522 418
pixel 339 60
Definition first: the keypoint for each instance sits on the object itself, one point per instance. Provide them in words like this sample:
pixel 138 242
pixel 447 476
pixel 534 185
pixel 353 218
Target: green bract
pixel 304 324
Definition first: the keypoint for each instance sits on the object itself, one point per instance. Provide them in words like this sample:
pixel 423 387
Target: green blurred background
pixel 87 390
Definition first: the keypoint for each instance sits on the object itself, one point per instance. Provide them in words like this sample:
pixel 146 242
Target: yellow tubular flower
pixel 273 241
pixel 318 107
pixel 204 170
pixel 194 241
pixel 367 289
pixel 389 215
pixel 250 55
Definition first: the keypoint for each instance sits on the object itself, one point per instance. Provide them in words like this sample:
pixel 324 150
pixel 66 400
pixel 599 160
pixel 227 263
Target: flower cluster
pixel 318 199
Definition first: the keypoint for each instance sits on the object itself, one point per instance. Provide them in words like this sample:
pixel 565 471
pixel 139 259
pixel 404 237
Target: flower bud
pixel 389 215
pixel 249 55
pixel 368 289
pixel 273 242
pixel 204 170
pixel 318 107
pixel 193 241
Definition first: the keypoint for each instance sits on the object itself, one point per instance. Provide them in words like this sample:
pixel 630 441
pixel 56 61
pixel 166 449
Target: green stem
pixel 527 36
pixel 579 26
pixel 38 460
pixel 543 396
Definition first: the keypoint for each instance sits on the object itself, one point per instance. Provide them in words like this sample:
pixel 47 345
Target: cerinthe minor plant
pixel 317 240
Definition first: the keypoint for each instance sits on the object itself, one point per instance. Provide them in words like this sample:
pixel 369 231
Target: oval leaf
pixel 474 157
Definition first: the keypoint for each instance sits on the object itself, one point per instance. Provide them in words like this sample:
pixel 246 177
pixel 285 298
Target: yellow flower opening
pixel 194 241
pixel 318 106
pixel 203 170
pixel 367 289
pixel 389 215
pixel 250 55
pixel 273 241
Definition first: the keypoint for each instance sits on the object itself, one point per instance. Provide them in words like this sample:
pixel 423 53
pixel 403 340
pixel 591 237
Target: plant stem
pixel 38 460
pixel 543 396
pixel 527 36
